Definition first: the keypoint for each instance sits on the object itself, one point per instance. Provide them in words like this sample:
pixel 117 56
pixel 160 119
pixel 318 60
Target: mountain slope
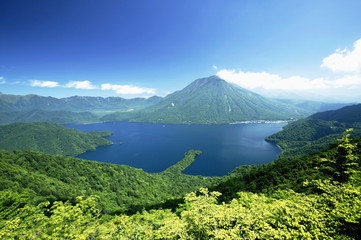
pixel 317 131
pixel 49 138
pixel 120 187
pixel 348 114
pixel 212 101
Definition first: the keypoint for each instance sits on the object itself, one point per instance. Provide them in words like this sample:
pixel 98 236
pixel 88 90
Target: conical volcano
pixel 212 100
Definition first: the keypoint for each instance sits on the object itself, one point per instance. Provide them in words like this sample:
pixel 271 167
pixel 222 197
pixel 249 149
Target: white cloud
pixel 87 85
pixel 252 80
pixel 38 83
pixel 350 81
pixel 127 89
pixel 339 86
pixel 215 67
pixel 2 80
pixel 344 60
pixel 80 85
pixel 268 81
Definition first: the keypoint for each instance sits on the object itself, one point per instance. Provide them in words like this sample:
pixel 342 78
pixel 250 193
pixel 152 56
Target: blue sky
pixel 141 48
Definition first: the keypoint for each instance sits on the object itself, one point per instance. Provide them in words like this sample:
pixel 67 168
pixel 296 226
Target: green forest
pixel 317 131
pixel 180 120
pixel 50 138
pixel 317 196
pixel 307 193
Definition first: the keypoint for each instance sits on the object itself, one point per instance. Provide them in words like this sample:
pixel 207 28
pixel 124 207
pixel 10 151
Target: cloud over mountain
pixel 346 63
pixel 127 89
pixel 344 60
pixel 252 80
pixel 80 85
pixel 87 85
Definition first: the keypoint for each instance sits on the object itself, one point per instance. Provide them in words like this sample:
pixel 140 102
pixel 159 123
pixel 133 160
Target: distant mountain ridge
pixel 70 110
pixel 212 100
pixel 208 100
pixel 38 115
pixel 30 102
pixel 314 106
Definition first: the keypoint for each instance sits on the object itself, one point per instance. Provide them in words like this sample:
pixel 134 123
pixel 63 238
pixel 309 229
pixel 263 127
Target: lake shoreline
pixel 156 147
pixel 263 121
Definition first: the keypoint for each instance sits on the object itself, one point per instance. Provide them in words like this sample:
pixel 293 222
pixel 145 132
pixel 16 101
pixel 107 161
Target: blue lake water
pixel 155 147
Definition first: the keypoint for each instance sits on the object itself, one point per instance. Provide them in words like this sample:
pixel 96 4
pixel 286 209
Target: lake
pixel 155 147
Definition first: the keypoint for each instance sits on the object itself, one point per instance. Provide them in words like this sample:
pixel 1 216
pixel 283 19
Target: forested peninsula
pixel 50 138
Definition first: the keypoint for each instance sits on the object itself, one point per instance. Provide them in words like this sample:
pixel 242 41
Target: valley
pixel 180 120
pixel 141 169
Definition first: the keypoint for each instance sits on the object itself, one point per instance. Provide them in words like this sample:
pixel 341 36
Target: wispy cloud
pixel 87 85
pixel 81 85
pixel 344 60
pixel 127 89
pixel 39 83
pixel 2 80
pixel 215 67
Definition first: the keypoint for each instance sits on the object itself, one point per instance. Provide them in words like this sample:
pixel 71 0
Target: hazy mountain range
pixel 76 103
pixel 208 100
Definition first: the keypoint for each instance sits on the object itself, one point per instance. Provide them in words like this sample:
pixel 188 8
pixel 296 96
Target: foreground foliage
pixel 330 208
pixel 121 188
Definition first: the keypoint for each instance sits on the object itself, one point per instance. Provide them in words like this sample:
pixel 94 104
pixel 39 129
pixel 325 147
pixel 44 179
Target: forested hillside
pixel 348 114
pixel 314 197
pixel 317 131
pixel 38 115
pixel 49 138
pixel 120 188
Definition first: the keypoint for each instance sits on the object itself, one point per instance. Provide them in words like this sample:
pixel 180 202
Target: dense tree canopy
pixel 50 138
pixel 274 207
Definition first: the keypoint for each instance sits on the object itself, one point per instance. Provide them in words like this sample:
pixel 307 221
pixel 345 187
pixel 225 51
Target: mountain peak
pixel 213 78
pixel 212 81
pixel 212 100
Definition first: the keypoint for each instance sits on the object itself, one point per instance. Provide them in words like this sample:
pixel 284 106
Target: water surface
pixel 155 147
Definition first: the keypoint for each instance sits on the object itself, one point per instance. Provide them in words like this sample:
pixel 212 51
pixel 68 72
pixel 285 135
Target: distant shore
pixel 263 121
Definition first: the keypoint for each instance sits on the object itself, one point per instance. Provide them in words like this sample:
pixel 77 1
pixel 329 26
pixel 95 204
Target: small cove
pixel 155 147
